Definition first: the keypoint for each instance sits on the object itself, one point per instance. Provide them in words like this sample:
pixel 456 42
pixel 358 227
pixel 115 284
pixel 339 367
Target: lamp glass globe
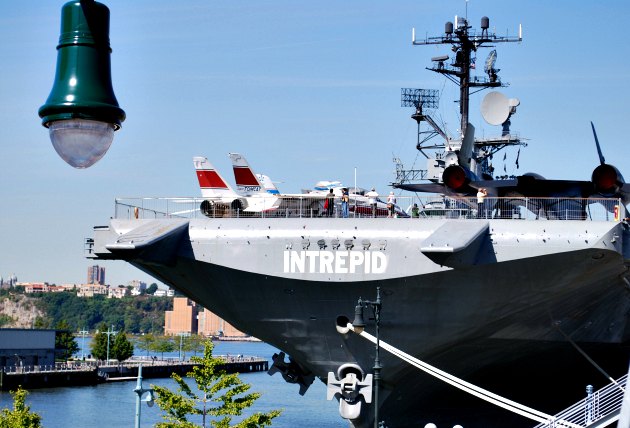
pixel 81 142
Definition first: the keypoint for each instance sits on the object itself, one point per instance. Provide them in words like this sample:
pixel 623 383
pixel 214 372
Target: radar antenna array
pixel 422 100
pixel 419 98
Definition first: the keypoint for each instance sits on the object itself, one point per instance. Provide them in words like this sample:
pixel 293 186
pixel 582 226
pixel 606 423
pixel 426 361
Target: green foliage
pixel 220 396
pixel 193 343
pixel 99 343
pixel 6 319
pixel 122 349
pixel 41 323
pixel 65 344
pixel 138 314
pixel 145 342
pixel 163 344
pixel 152 288
pixel 21 415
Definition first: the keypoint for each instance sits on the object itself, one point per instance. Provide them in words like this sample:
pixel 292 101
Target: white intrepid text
pixel 334 261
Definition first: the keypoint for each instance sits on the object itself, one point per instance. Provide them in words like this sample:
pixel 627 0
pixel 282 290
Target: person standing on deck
pixel 345 199
pixel 415 211
pixel 372 197
pixel 481 197
pixel 391 204
pixel 330 203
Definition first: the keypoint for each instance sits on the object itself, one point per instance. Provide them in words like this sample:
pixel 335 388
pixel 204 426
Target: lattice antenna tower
pixel 424 101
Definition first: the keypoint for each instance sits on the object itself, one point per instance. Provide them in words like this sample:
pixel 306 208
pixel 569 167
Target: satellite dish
pixel 515 102
pixel 495 108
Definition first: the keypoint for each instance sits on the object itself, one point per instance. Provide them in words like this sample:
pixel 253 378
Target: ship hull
pixel 497 313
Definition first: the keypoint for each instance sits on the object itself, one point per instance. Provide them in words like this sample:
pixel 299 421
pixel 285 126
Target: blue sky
pixel 306 90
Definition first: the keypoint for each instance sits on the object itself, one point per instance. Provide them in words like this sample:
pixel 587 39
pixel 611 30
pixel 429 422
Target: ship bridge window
pixel 349 243
pixel 335 244
pixel 366 244
pixel 305 244
pixel 322 244
pixel 382 245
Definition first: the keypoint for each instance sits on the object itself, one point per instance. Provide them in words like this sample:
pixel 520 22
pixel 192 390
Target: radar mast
pixel 464 42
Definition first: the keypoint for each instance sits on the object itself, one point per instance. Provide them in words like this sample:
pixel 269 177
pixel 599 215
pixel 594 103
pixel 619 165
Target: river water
pixel 114 404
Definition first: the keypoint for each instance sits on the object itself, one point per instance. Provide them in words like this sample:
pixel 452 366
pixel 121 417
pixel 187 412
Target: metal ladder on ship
pixel 599 409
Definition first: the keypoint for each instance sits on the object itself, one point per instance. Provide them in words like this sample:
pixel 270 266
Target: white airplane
pixel 247 180
pixel 219 195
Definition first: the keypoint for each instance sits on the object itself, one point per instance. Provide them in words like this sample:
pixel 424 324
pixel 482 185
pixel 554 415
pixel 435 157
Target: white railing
pixel 595 209
pixel 596 406
pixel 57 367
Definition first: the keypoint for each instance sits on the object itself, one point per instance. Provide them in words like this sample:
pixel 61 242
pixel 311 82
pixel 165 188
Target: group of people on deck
pixel 372 195
pixel 329 204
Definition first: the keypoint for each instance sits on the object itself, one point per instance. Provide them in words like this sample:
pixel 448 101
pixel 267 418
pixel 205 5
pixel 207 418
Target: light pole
pixel 181 335
pixel 109 332
pixel 139 390
pixel 83 333
pixel 359 326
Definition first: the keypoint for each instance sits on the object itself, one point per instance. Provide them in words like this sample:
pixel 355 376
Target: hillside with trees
pixel 132 314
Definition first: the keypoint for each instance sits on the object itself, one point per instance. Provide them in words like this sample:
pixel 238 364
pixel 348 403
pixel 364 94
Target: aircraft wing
pixel 425 188
pixel 524 186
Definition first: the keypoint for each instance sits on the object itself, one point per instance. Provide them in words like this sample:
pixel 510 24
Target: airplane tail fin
pixel 268 184
pixel 210 181
pixel 246 180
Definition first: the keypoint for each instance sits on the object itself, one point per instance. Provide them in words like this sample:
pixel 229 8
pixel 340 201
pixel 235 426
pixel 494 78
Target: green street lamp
pixel 139 390
pixel 81 111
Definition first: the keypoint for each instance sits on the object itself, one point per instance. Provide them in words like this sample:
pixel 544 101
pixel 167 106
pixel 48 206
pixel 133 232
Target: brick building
pixel 183 317
pixel 211 325
pixel 187 317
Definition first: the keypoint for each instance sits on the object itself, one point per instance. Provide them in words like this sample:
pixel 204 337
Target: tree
pixel 151 288
pixel 163 344
pixel 65 344
pixel 21 415
pixel 145 342
pixel 41 323
pixel 220 396
pixel 122 348
pixel 99 343
pixel 193 343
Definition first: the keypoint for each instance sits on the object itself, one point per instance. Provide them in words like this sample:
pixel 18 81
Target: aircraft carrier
pixel 524 294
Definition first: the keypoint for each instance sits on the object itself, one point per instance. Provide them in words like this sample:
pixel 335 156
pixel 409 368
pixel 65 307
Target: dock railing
pixel 593 209
pixel 598 406
pixel 89 365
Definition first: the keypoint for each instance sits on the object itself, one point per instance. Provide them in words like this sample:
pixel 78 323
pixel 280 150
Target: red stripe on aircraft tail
pixel 210 178
pixel 245 177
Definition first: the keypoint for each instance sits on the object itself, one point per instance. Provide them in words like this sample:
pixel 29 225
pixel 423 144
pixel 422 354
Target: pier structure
pixel 81 373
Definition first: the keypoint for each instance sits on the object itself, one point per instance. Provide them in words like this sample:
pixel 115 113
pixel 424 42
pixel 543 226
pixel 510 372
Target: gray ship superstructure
pixel 511 298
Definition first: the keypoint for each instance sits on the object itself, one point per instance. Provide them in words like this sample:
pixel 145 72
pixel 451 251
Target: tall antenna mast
pixel 463 43
pixel 472 154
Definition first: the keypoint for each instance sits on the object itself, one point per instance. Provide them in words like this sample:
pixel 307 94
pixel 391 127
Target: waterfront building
pixel 211 324
pixel 96 275
pixel 24 347
pixel 183 317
